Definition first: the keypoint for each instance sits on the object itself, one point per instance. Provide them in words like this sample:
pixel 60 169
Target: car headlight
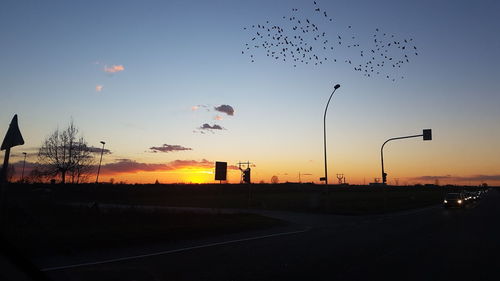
pixel 445 201
pixel 459 201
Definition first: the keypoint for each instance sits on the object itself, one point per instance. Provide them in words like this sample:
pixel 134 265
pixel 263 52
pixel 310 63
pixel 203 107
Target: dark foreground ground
pixel 352 200
pixel 428 244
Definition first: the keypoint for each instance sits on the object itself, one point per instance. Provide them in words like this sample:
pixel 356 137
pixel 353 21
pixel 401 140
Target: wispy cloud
pixel 459 178
pixel 211 127
pixel 199 106
pixel 169 148
pixel 131 166
pixel 123 166
pixel 94 149
pixel 114 68
pixel 99 88
pixel 224 108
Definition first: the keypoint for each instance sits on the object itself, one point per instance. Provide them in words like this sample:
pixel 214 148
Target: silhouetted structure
pixel 12 138
pixel 245 173
pixel 340 177
pixel 221 171
pixel 426 134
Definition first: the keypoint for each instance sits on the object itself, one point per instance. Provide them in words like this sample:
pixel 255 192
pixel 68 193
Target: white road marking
pixel 174 251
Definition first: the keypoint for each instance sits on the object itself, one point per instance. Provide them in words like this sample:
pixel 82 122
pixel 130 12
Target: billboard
pixel 220 171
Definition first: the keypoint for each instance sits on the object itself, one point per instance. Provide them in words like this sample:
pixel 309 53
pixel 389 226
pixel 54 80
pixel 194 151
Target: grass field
pixel 292 197
pixel 40 219
pixel 58 229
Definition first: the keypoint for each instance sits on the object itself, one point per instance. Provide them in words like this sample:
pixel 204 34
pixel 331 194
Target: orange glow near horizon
pixel 357 172
pixel 202 176
pixel 182 175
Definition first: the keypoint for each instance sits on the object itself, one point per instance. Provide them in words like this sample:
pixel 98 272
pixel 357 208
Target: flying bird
pixel 296 40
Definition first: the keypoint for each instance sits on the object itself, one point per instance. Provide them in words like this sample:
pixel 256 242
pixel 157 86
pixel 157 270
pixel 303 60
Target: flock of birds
pixel 302 40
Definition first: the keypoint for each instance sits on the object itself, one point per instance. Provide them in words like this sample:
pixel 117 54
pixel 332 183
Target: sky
pixel 170 75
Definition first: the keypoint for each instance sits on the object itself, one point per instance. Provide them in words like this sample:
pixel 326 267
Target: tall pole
pixel 324 131
pixel 100 161
pixel 5 165
pixel 24 165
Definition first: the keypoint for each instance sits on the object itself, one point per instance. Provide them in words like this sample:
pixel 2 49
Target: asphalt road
pixel 426 244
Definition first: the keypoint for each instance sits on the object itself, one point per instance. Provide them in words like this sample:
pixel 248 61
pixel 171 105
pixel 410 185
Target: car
pixel 454 200
pixel 468 196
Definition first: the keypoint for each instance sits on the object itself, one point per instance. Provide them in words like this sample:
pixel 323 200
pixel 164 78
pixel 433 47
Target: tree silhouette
pixel 274 180
pixel 64 153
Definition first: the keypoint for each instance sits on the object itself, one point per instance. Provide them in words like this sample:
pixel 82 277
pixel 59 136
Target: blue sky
pixel 177 54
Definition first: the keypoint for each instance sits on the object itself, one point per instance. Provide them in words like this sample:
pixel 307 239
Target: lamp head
pixel 336 86
pixel 103 142
pixel 25 153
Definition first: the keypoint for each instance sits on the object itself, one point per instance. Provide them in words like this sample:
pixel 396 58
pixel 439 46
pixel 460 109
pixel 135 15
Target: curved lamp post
pixel 100 161
pixel 324 131
pixel 426 134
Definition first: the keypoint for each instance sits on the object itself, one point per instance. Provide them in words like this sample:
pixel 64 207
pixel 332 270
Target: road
pixel 426 244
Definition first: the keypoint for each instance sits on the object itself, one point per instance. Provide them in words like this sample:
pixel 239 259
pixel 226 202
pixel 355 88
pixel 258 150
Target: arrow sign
pixel 13 136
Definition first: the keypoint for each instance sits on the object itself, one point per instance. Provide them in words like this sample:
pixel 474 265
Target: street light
pixel 24 164
pixel 426 134
pixel 100 161
pixel 324 131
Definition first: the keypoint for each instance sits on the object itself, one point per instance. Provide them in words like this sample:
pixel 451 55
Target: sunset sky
pixel 166 86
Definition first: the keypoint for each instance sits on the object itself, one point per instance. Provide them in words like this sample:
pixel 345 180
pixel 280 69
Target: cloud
pixel 131 166
pixel 218 117
pixel 121 166
pixel 94 149
pixel 209 127
pixel 114 68
pixel 432 178
pixel 31 151
pixel 486 177
pixel 98 88
pixel 199 106
pixel 225 109
pixel 169 148
pixel 459 178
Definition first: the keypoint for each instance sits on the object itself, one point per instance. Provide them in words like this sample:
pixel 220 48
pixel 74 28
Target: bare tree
pixel 36 175
pixel 64 153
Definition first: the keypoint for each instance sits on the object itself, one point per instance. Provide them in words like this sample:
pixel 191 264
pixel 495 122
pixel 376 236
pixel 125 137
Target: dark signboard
pixel 220 171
